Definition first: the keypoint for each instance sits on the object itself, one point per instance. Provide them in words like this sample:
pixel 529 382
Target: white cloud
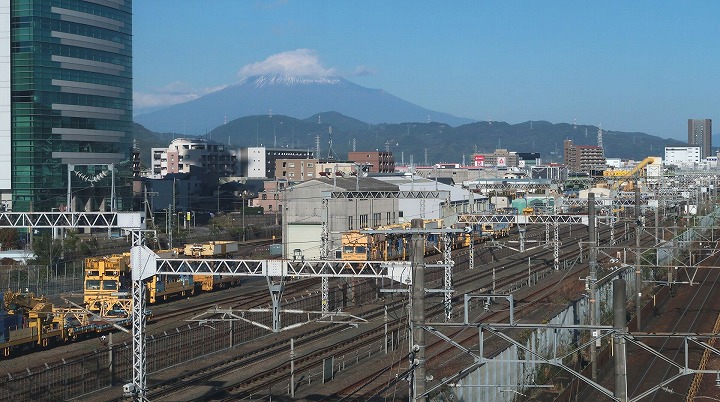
pixel 300 62
pixel 362 70
pixel 171 94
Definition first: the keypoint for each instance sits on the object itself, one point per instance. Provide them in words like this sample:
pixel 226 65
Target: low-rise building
pixel 270 199
pixel 376 161
pixel 500 157
pixel 260 162
pixel 683 156
pixel 182 153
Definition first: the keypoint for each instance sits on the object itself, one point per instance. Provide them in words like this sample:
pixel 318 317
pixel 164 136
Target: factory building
pixel 304 213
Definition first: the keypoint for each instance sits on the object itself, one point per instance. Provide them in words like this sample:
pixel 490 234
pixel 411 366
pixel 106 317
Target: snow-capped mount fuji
pixel 295 96
pixel 260 81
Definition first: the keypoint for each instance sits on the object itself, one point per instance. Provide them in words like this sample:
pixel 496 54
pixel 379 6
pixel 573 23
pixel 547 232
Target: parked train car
pixel 495 230
pixel 108 280
pixel 213 249
pixel 28 321
pixel 357 246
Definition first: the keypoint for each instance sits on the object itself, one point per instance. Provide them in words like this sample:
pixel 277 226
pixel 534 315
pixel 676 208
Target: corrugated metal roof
pixel 350 183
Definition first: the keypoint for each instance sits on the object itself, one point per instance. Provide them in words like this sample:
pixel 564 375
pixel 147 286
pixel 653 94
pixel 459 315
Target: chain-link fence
pixel 41 279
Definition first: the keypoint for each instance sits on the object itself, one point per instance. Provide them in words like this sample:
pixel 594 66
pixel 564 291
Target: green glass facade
pixel 71 102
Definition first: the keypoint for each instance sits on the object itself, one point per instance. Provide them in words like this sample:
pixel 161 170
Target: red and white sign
pixel 479 160
pixel 501 161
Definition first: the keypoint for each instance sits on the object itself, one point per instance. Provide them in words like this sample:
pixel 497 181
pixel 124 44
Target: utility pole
pixel 619 322
pixel 638 280
pixel 592 262
pixel 418 309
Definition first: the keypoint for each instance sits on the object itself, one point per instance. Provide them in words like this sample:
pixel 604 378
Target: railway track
pixel 512 274
pixel 692 309
pixel 505 278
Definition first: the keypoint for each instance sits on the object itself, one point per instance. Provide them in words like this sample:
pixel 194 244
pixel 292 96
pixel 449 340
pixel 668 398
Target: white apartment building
pixel 183 153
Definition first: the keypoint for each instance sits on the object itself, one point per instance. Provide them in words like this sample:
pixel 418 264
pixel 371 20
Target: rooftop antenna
pixel 257 134
pixel 354 143
pixel 574 124
pixel 387 146
pixel 426 157
pixel 225 120
pixel 317 145
pixel 600 139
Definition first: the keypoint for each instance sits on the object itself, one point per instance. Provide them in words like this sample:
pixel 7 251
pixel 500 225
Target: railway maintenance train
pixel 108 279
pixel 357 246
pixel 28 321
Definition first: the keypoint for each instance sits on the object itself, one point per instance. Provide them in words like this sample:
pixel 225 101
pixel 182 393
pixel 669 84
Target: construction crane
pixel 622 176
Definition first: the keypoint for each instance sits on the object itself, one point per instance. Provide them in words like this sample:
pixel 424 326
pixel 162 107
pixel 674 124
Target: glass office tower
pixel 65 103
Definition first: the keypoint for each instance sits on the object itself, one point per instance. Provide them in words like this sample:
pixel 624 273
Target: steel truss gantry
pixel 72 220
pixel 134 222
pixel 558 355
pixel 509 184
pixel 146 264
pixel 350 195
pixel 448 262
pixel 441 194
pixel 522 220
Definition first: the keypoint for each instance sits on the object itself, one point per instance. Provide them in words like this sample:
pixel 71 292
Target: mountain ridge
pixel 444 143
pixel 291 96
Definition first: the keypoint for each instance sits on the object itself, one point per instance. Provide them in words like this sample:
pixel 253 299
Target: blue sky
pixel 629 65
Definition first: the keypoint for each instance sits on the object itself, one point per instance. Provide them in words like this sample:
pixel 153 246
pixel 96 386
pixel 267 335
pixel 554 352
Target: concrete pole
pixel 638 278
pixel 619 322
pixel 292 367
pixel 592 262
pixel 418 309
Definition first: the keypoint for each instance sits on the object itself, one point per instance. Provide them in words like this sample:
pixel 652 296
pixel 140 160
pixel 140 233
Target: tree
pixel 9 239
pixel 47 250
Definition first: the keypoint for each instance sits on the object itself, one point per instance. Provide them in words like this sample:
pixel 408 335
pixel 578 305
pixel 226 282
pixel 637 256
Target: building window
pixel 363 220
pixel 400 214
pixel 388 221
pixel 350 223
pixel 264 196
pixel 376 219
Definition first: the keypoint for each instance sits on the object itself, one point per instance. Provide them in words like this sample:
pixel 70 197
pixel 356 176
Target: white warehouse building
pixel 434 208
pixel 304 212
pixel 682 156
